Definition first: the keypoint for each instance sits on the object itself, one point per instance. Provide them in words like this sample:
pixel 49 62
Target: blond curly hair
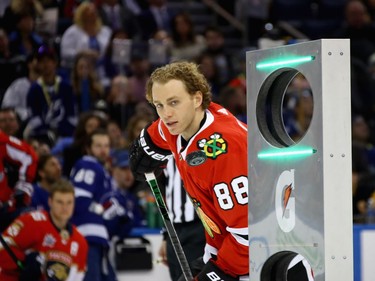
pixel 186 72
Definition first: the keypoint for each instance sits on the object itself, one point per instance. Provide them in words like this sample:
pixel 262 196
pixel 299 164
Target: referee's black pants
pixel 192 238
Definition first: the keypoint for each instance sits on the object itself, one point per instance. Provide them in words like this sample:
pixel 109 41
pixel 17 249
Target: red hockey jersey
pixel 64 253
pixel 19 153
pixel 213 166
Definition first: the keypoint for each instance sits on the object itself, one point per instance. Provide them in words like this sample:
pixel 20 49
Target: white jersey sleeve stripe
pixel 240 231
pixel 22 157
pixel 241 240
pixel 240 235
pixel 80 192
pixel 91 229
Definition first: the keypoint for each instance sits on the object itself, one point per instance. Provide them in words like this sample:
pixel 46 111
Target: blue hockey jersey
pixel 91 183
pixel 39 199
pixel 126 213
pixel 52 108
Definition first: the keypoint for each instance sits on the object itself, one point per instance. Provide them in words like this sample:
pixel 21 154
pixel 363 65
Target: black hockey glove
pixel 212 272
pixel 196 266
pixel 20 199
pixel 33 266
pixel 207 272
pixel 146 157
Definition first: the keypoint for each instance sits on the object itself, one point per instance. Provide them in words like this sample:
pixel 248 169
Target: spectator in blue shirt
pixel 50 102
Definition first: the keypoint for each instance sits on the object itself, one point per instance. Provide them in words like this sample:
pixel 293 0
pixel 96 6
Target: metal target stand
pixel 300 195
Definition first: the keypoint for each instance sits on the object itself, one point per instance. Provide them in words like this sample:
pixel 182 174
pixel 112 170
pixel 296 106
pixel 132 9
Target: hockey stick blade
pixel 151 180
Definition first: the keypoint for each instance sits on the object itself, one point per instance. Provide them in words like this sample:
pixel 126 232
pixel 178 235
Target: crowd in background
pixel 92 70
pixel 88 72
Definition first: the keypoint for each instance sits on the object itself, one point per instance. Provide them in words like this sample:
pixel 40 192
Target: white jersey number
pixel 240 189
pixel 87 176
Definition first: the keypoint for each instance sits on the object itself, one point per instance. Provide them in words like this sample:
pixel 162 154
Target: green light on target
pixel 286 153
pixel 284 62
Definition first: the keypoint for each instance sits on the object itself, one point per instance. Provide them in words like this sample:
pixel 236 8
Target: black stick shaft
pixel 10 252
pixel 151 180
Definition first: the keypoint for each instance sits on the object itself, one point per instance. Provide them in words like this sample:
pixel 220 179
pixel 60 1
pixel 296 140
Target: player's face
pixel 9 123
pixel 61 206
pixel 52 170
pixel 180 111
pixel 100 147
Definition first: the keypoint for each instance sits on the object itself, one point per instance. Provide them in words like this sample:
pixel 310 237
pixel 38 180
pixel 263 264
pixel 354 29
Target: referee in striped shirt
pixel 189 228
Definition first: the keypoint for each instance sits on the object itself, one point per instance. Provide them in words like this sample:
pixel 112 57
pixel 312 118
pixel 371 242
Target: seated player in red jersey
pixel 43 245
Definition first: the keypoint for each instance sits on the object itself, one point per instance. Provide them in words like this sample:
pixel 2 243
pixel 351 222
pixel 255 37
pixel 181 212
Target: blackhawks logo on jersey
pixel 209 225
pixel 214 146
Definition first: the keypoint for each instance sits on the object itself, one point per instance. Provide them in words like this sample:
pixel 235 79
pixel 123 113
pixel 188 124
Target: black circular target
pixel 284 107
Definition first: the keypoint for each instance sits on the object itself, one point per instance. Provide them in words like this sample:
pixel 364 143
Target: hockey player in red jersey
pixel 46 244
pixel 210 148
pixel 15 185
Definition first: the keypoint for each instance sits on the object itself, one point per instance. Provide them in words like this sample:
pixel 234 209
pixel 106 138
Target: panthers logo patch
pixel 57 271
pixel 214 146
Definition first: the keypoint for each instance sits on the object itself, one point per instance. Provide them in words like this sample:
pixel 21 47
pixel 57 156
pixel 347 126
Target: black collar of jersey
pixel 185 142
pixel 68 227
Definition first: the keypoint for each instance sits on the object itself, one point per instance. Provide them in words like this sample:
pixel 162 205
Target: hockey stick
pixel 11 253
pixel 151 180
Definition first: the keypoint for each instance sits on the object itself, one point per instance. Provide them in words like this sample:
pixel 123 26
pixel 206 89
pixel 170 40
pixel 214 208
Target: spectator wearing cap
pixel 124 180
pixel 121 171
pixel 50 102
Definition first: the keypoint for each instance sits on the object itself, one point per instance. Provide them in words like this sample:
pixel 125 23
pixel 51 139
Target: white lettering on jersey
pixel 213 276
pixel 14 229
pixel 149 151
pixel 38 216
